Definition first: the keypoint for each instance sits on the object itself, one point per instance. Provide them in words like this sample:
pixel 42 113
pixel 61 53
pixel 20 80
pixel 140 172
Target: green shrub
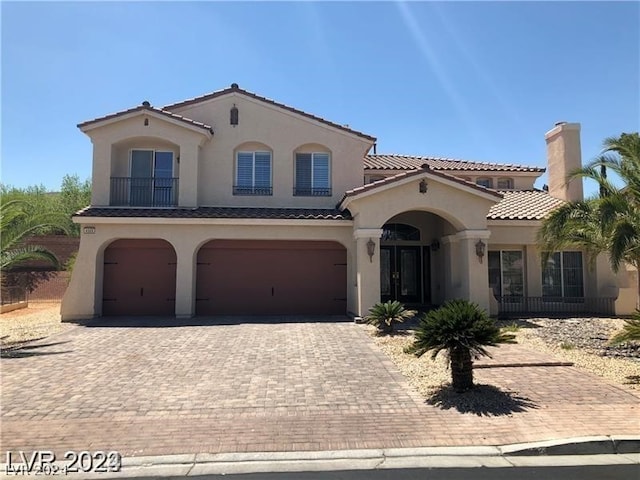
pixel 384 315
pixel 463 330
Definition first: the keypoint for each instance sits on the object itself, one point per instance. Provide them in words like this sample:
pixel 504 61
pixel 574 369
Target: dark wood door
pixel 401 274
pixel 271 277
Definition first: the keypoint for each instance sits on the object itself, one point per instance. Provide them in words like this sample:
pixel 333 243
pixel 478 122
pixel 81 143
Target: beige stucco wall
pixel 112 141
pixel 83 298
pixel 464 210
pixel 283 133
pixel 564 157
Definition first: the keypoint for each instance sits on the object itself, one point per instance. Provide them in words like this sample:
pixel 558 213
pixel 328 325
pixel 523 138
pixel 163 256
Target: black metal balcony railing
pixel 311 192
pixel 510 306
pixel 241 190
pixel 144 192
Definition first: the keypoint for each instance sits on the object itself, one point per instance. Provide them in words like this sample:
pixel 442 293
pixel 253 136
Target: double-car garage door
pixel 232 277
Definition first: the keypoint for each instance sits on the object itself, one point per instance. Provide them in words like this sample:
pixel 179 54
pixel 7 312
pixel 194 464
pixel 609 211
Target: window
pixel 152 182
pixel 485 182
pixel 253 174
pixel 312 175
pixel 505 184
pixel 400 231
pixel 562 276
pixel 506 273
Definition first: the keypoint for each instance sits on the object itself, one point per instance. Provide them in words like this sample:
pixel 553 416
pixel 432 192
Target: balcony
pixel 311 192
pixel 242 190
pixel 143 192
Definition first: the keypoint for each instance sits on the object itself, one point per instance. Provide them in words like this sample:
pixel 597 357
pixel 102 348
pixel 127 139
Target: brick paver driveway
pixel 232 386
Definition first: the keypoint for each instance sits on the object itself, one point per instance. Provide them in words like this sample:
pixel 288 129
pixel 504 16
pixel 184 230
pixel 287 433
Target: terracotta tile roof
pixel 235 89
pixel 418 171
pixel 404 162
pixel 139 108
pixel 217 212
pixel 524 205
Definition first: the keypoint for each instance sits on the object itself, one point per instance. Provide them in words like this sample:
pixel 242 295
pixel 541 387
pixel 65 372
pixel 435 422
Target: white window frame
pixel 253 187
pixel 508 180
pixel 523 272
pixel 313 156
pixel 490 181
pixel 562 282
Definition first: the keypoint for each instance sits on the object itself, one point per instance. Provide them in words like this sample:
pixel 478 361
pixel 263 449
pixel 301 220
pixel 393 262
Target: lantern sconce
pixel 423 186
pixel 480 248
pixel 435 245
pixel 371 249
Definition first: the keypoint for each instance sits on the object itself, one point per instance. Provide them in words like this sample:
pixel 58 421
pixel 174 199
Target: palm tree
pixel 609 222
pixel 384 315
pixel 18 220
pixel 463 330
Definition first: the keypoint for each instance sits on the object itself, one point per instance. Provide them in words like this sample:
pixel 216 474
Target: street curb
pixel 596 450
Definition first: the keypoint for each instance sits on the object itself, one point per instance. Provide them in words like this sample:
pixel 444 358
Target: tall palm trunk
pixel 461 369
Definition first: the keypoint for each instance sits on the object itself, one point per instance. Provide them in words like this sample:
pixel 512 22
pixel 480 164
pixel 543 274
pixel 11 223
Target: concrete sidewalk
pixel 277 387
pixel 586 451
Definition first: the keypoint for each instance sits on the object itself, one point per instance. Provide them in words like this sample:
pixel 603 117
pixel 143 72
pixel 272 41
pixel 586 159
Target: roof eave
pixel 90 125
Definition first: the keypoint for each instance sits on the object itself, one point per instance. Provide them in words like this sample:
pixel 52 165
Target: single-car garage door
pixel 271 277
pixel 139 278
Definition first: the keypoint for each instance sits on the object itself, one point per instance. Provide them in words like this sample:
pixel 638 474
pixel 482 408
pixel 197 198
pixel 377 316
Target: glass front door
pixel 400 274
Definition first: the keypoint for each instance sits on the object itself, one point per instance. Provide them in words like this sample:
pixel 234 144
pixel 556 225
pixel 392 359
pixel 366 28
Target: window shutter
pixel 320 170
pixel 263 169
pixel 244 172
pixel 303 171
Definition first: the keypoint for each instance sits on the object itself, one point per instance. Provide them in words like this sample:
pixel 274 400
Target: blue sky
pixel 479 81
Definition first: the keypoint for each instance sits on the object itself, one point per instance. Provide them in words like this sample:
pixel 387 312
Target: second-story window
pixel 253 174
pixel 505 184
pixel 313 176
pixel 485 182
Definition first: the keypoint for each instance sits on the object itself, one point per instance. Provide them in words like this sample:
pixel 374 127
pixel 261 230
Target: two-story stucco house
pixel 232 203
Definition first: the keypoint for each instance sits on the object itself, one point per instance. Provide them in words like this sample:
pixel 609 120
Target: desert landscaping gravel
pixel 38 320
pixel 582 341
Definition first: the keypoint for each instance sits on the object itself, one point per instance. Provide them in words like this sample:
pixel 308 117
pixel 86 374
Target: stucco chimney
pixel 564 157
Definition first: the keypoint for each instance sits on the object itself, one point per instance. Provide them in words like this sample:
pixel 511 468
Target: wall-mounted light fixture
pixel 89 230
pixel 480 247
pixel 371 249
pixel 435 245
pixel 423 186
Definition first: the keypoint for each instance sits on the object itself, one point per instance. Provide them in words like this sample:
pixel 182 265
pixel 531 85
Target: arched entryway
pixel 139 278
pixel 269 277
pixel 411 258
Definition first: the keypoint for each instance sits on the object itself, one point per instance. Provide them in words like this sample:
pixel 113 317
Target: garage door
pixel 139 278
pixel 271 277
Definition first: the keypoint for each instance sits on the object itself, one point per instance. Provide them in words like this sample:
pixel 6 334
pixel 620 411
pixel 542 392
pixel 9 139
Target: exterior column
pixel 188 182
pixel 185 278
pixel 101 173
pixel 474 272
pixel 83 296
pixel 367 269
pixel 451 269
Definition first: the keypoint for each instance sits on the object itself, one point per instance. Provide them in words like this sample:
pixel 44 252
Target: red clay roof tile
pixel 406 162
pixel 166 113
